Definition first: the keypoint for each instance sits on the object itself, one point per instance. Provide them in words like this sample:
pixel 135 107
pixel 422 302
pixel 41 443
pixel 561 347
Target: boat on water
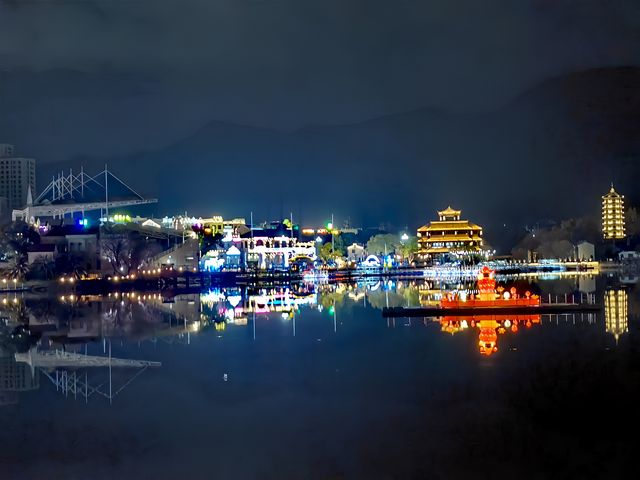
pixel 489 301
pixel 488 296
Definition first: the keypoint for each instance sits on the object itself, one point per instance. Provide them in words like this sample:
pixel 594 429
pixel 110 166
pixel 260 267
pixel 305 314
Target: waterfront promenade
pixel 169 278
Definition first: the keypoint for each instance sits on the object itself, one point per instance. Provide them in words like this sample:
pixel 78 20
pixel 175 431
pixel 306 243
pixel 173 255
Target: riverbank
pixel 172 279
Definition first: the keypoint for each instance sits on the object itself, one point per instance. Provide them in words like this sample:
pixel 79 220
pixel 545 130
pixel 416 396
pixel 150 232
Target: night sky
pixel 377 111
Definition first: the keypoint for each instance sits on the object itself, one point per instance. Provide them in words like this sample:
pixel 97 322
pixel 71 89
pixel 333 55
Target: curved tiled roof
pixel 612 193
pixel 450 225
pixel 449 212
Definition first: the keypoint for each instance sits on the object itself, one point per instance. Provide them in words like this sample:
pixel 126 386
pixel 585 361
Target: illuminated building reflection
pixel 78 319
pixel 15 378
pixel 234 305
pixel 616 313
pixel 489 327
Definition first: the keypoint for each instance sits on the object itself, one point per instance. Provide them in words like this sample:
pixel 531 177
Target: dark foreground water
pixel 312 382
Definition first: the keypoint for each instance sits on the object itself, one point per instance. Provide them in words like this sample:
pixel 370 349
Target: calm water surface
pixel 311 382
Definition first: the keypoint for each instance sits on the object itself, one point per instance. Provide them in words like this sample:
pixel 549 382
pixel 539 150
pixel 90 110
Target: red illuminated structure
pixel 488 297
pixel 490 327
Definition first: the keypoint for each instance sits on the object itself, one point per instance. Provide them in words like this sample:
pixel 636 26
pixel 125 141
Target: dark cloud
pixel 290 62
pixel 483 88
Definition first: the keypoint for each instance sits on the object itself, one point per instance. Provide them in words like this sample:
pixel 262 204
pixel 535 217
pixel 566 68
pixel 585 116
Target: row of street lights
pixel 14 280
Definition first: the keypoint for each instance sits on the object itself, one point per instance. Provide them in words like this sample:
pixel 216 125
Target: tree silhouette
pixel 43 267
pixel 19 267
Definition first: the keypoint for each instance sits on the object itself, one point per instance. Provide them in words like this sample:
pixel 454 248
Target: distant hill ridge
pixel 570 135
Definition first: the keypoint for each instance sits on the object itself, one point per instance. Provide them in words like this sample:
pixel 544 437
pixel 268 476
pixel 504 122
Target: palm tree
pixel 19 267
pixel 44 267
pixel 77 268
pixel 69 264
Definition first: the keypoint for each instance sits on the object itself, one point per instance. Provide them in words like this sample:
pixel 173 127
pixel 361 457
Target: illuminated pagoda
pixel 613 215
pixel 449 235
pixel 615 312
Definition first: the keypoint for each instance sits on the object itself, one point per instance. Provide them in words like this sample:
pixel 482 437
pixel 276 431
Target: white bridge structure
pixel 71 193
pixel 60 359
pixel 63 370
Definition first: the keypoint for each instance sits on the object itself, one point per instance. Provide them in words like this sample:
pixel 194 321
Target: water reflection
pixel 489 327
pixel 68 341
pixel 15 378
pixel 616 312
pixel 25 359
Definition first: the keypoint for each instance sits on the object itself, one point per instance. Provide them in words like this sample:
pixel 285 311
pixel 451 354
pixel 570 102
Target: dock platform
pixel 545 308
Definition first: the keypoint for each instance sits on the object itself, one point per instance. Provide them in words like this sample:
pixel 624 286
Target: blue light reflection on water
pixel 303 382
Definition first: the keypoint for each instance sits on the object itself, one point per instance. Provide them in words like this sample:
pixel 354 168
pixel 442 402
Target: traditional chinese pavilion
pixel 449 234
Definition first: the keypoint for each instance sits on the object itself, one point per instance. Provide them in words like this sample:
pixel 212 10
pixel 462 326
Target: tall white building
pixel 17 174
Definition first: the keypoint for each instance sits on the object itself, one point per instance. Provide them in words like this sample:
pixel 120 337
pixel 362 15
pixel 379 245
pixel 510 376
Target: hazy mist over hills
pixel 570 135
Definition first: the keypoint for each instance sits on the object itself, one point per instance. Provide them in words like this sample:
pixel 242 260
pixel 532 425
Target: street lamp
pixel 330 228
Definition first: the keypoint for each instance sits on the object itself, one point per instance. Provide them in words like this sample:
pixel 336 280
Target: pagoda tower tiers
pixel 449 235
pixel 616 313
pixel 613 215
